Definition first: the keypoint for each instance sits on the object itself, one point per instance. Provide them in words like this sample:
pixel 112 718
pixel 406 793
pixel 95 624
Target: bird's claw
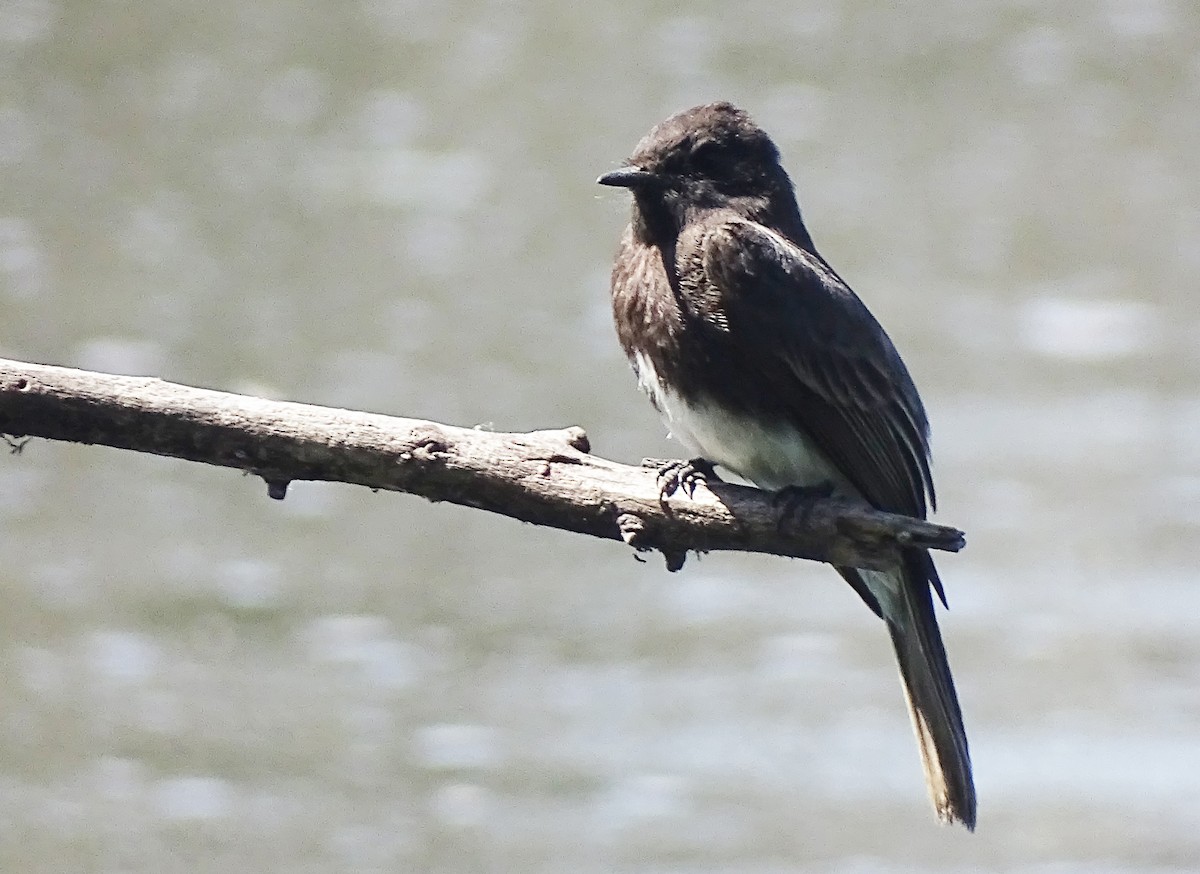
pixel 676 475
pixel 789 499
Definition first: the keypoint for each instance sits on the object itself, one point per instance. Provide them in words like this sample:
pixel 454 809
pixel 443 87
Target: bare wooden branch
pixel 544 477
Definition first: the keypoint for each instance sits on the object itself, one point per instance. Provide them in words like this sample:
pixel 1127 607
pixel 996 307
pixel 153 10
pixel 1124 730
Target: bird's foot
pixel 789 499
pixel 676 474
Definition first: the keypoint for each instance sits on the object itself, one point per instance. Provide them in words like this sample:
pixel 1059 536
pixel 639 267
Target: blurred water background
pixel 390 205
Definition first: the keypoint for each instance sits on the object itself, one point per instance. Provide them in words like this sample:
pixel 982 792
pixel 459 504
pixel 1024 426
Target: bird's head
pixel 705 158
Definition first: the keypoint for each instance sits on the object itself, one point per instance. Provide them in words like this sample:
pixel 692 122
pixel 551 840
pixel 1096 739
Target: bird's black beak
pixel 630 177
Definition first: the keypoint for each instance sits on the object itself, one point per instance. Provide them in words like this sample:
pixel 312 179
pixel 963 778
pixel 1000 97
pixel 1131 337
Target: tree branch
pixel 544 477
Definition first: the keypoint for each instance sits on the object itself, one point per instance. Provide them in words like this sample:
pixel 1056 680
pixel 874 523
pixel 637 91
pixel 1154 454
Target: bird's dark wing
pixel 826 360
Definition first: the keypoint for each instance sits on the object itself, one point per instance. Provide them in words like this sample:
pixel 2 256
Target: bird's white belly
pixel 771 457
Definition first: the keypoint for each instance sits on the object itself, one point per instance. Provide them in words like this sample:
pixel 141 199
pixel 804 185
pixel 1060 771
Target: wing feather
pixel 835 371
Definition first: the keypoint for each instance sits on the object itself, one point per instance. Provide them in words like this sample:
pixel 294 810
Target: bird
pixel 762 361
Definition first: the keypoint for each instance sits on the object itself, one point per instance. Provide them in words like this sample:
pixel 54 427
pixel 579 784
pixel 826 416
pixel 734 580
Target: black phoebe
pixel 762 360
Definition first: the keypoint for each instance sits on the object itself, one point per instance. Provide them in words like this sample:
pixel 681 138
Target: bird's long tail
pixel 929 691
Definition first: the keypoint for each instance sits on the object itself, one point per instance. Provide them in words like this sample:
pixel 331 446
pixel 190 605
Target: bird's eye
pixel 706 158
